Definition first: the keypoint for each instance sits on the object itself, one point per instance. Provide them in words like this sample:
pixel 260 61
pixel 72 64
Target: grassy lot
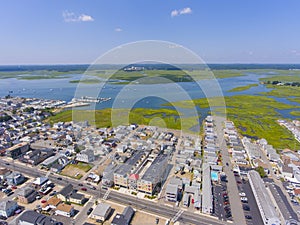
pixel 76 170
pixel 282 91
pixel 283 76
pixel 295 113
pixel 243 88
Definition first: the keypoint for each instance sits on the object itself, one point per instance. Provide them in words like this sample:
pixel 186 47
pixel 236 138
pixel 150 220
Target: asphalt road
pixel 81 217
pixel 143 205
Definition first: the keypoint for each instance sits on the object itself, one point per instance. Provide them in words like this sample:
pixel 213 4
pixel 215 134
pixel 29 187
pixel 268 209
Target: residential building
pixel 8 207
pixel 68 194
pixel 122 174
pixel 108 175
pixel 186 200
pixel 101 212
pixel 124 218
pixel 207 197
pixel 40 181
pixel 86 156
pixel 287 171
pixel 132 182
pixel 37 156
pixel 171 192
pixel 56 163
pixel 4 173
pixel 154 175
pixel 31 217
pixel 64 210
pixel 53 202
pixel 267 210
pixel 27 195
pixel 17 150
pixel 15 178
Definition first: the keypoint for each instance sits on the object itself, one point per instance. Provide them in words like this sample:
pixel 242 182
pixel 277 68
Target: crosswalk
pixel 106 194
pixel 177 215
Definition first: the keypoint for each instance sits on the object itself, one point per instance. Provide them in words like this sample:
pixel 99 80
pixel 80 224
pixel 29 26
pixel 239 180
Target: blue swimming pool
pixel 214 176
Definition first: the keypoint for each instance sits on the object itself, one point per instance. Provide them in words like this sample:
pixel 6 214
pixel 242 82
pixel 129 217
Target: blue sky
pixel 73 31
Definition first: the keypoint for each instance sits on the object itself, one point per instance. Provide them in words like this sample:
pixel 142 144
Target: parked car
pixel 18 211
pixel 242 194
pixel 244 199
pixel 59 178
pixel 248 217
pixel 246 207
pixel 9 193
pixel 227 215
pixel 89 211
pixel 83 189
pixel 3 217
pixel 80 184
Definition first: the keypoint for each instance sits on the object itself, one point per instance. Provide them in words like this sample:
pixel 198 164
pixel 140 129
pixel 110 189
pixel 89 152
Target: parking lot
pixel 252 211
pixel 222 208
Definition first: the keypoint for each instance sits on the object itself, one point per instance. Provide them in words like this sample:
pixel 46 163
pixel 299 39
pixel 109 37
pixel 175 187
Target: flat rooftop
pixel 130 163
pixel 153 173
pixel 264 199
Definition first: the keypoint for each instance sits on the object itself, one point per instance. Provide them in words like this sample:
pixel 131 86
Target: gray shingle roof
pixel 32 217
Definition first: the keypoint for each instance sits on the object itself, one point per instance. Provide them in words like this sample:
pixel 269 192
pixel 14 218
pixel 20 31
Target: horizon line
pixel 212 63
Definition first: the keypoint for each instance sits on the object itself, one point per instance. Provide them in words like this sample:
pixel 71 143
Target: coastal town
pixel 74 173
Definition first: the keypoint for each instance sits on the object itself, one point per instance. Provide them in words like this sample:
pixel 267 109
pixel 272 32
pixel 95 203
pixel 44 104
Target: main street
pixel 140 204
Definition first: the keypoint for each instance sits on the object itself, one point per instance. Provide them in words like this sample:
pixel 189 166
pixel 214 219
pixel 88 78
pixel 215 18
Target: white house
pixel 64 210
pixel 86 156
pixel 101 212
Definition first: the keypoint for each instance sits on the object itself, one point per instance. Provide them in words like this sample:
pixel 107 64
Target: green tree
pixel 261 171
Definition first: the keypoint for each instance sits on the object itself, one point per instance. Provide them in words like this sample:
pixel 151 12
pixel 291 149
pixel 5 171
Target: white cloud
pixel 174 13
pixel 187 10
pixel 179 12
pixel 72 17
pixel 118 29
pixel 85 18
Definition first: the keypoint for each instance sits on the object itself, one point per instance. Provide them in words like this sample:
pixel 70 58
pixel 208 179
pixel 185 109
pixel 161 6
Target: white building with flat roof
pixel 207 198
pixel 266 207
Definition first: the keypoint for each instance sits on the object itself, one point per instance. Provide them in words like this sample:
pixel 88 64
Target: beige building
pixel 64 210
pixel 101 212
